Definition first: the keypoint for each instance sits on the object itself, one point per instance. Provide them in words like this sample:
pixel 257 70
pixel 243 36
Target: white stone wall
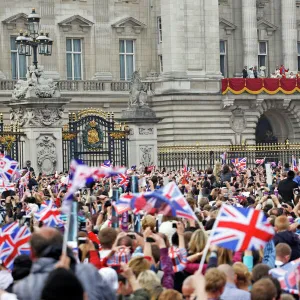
pixel 186 97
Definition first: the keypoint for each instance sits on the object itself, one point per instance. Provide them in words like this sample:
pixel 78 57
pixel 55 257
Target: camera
pixel 297 191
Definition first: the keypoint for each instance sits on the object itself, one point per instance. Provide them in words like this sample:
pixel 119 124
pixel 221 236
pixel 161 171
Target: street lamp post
pixel 35 40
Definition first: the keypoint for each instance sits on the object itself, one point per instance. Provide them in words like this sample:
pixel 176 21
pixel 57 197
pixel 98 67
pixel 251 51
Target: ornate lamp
pixel 21 44
pixel 43 43
pixel 49 45
pixel 33 23
pixel 28 49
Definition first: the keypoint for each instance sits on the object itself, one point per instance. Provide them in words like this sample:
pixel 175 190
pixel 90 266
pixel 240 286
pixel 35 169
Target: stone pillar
pixel 40 120
pixel 142 143
pixel 142 147
pixel 250 42
pixel 174 38
pixel 289 34
pixel 212 38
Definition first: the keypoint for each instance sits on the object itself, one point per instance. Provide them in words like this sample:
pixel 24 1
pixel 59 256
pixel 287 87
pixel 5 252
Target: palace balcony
pixel 256 86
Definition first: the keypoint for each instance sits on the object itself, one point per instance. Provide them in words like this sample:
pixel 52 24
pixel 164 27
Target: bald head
pixel 44 238
pixel 188 286
pixel 229 272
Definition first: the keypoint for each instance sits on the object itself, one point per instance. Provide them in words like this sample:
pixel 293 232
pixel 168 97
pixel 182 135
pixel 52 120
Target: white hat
pixel 110 276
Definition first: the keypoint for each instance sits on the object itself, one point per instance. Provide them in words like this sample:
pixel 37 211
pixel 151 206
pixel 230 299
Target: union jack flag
pixel 260 161
pixel 224 158
pixel 240 163
pixel 8 167
pixel 24 180
pixel 49 215
pixel 123 180
pixel 6 230
pixel 168 200
pixel 6 187
pixel 123 254
pixel 106 164
pixel 14 242
pixel 241 229
pixel 294 164
pixel 288 276
pixel 178 257
pixel 185 167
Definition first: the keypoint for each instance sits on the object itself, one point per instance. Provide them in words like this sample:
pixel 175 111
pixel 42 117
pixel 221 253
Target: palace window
pixel 262 55
pixel 127 59
pixel 159 29
pixel 223 58
pixel 161 66
pixel 18 62
pixel 74 59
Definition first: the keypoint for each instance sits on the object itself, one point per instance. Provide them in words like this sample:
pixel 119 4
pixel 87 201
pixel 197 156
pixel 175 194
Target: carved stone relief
pixel 46 154
pixel 147 155
pixel 146 131
pixel 36 116
pixel 238 121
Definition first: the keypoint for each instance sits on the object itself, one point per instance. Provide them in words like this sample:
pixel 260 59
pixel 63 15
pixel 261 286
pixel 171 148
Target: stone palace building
pixel 184 47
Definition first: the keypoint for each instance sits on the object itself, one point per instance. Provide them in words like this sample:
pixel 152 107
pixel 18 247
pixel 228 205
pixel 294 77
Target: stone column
pixel 212 38
pixel 174 39
pixel 250 42
pixel 289 34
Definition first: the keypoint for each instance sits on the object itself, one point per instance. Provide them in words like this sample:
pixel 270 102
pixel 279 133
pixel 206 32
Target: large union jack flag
pixel 240 163
pixel 240 229
pixel 14 242
pixel 8 167
pixel 49 215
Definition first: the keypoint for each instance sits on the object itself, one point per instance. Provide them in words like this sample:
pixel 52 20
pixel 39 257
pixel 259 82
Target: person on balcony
pixel 262 73
pixel 255 72
pixel 292 76
pixel 251 73
pixel 283 70
pixel 245 72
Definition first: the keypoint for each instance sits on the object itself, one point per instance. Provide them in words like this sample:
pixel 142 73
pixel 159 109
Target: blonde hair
pixel 243 276
pixel 170 295
pixel 138 265
pixel 197 242
pixel 149 281
pixel 148 221
pixel 215 280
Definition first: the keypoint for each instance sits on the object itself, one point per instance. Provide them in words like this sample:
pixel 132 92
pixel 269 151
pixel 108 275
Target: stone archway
pixel 274 126
pixel 276 123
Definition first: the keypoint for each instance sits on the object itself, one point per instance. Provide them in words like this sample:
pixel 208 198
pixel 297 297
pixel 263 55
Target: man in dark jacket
pixel 283 235
pixel 245 72
pixel 286 187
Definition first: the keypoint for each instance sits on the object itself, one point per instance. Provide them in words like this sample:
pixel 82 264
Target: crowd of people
pixel 280 72
pixel 160 260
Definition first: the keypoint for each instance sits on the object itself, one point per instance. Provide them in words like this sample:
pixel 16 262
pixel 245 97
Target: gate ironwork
pixel 11 141
pixel 93 136
pixel 201 157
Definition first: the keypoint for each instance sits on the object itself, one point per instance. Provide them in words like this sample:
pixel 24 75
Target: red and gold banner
pixel 256 86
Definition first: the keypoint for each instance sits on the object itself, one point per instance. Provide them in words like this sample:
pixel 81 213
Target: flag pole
pixel 207 246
